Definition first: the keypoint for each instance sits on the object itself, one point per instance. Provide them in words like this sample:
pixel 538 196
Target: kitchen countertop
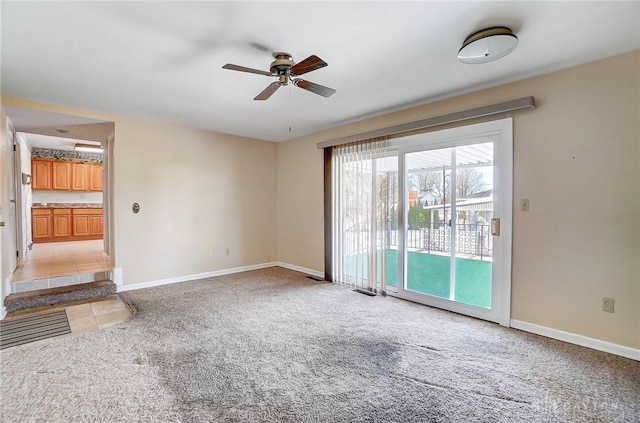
pixel 66 205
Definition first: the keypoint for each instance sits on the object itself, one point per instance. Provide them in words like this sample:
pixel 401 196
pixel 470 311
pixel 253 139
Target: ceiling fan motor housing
pixel 282 64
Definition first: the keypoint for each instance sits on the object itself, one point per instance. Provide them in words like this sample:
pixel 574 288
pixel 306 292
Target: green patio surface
pixel 430 274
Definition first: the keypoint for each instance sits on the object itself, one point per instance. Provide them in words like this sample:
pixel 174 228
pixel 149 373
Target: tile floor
pixel 61 259
pixel 55 259
pixel 87 315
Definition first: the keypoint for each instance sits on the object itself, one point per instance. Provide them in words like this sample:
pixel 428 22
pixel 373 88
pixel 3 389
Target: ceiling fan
pixel 286 70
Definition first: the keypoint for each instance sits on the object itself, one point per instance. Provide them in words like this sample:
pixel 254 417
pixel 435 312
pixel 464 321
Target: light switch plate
pixel 524 204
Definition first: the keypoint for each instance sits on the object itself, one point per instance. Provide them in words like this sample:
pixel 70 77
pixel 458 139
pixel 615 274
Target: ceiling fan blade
pixel 245 69
pixel 309 64
pixel 259 46
pixel 314 88
pixel 267 92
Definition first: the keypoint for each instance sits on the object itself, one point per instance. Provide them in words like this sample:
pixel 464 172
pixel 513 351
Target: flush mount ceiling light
pixel 87 148
pixel 487 45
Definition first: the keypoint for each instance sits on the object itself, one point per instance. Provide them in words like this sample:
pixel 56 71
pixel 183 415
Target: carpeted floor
pixel 274 346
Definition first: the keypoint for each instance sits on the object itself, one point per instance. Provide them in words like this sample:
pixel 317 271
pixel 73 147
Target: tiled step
pixel 63 294
pixel 58 281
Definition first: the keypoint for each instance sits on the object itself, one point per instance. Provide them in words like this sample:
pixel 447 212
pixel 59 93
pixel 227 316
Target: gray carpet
pixel 274 346
pixel 61 294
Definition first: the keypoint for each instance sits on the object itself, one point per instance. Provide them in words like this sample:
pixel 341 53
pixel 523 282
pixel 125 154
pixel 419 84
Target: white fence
pixel 470 239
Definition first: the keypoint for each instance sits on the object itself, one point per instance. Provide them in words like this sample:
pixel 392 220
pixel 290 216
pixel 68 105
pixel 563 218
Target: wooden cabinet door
pixel 40 224
pixel 61 223
pixel 80 176
pixel 95 178
pixel 61 175
pixel 40 174
pixel 95 225
pixel 81 225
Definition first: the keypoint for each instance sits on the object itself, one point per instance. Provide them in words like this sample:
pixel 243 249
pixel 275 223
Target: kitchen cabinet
pixel 61 219
pixel 96 225
pixel 81 225
pixel 40 174
pixel 61 175
pixel 51 174
pixel 55 225
pixel 80 177
pixel 40 225
pixel 95 177
pixel 87 222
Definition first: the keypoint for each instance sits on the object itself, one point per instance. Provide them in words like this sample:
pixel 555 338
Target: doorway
pixel 54 137
pixel 60 228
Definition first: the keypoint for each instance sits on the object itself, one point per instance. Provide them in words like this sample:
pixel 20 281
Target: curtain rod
pixel 494 109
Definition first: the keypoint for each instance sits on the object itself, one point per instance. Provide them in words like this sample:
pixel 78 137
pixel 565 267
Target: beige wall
pixel 199 192
pixel 576 158
pixel 301 205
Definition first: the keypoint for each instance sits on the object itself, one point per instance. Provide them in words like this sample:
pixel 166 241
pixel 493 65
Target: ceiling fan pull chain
pixel 290 108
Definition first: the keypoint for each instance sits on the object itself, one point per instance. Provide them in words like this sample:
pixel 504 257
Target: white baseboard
pixel 194 277
pixel 300 269
pixel 4 311
pixel 576 339
pixel 212 274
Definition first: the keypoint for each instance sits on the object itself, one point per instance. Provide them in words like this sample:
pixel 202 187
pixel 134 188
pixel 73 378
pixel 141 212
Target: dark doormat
pixel 23 330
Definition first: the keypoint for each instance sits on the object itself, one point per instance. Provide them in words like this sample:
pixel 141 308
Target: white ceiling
pixel 55 143
pixel 58 126
pixel 162 60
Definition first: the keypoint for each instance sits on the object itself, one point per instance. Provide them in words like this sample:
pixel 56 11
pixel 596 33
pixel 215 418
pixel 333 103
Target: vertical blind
pixel 362 212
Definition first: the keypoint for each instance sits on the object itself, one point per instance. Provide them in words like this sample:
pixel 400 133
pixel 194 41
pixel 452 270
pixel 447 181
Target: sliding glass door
pixel 428 218
pixel 456 188
pixel 449 204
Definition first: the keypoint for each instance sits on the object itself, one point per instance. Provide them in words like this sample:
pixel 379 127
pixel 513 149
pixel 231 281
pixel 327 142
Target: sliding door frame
pixel 500 132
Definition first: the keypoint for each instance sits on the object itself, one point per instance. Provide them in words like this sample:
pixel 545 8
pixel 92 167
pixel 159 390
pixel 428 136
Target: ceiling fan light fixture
pixel 487 45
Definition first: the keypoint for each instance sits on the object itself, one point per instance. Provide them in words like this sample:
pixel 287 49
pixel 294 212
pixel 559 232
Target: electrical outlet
pixel 524 204
pixel 608 304
pixel 211 253
pixel 268 259
pixel 227 252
